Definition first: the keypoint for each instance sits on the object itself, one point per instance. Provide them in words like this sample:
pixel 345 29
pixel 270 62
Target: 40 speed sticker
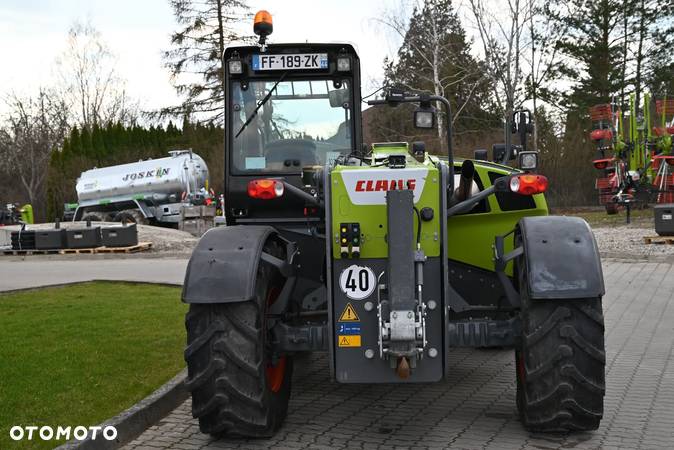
pixel 357 282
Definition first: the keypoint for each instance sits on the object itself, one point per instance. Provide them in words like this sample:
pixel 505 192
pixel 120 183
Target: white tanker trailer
pixel 150 191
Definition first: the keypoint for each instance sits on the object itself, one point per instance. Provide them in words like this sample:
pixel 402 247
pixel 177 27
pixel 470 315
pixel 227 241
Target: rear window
pixel 510 201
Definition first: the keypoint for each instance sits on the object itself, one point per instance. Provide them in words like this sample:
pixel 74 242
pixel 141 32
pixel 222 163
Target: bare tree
pixel 90 83
pixel 32 129
pixel 502 33
pixel 543 61
pixel 435 55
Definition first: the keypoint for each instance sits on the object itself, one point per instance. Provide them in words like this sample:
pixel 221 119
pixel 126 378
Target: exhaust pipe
pixel 464 191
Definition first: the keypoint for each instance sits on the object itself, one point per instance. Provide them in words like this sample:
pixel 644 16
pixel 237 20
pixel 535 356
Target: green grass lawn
pixel 80 354
pixel 599 218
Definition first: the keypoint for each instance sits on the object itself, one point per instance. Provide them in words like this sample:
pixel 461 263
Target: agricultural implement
pixel 383 256
pixel 635 166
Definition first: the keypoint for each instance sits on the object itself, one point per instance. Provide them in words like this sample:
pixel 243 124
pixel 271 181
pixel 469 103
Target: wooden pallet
pixel 668 240
pixel 140 247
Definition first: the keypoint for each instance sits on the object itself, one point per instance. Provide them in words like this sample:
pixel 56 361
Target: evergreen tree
pixel 74 143
pixel 97 145
pixel 435 58
pixel 87 150
pixel 658 52
pixel 206 28
pixel 592 50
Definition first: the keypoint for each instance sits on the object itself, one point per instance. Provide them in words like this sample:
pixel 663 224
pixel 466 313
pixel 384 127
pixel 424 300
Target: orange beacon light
pixel 263 25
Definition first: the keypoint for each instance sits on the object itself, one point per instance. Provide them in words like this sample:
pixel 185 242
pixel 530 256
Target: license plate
pixel 666 217
pixel 304 61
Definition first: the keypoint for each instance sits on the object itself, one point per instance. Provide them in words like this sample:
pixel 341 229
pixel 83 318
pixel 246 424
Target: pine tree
pixel 75 143
pixel 657 74
pixel 592 50
pixel 97 145
pixel 435 58
pixel 207 27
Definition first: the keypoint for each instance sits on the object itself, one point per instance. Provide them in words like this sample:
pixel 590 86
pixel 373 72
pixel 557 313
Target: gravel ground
pixel 627 241
pixel 615 240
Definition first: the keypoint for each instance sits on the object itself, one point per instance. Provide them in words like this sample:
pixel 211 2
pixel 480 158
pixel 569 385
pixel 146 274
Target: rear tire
pixel 131 216
pixel 611 208
pixel 235 388
pixel 560 363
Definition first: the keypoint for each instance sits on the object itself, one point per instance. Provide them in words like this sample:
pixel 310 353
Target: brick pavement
pixel 475 408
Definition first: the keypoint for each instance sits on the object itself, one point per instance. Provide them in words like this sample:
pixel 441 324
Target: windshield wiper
pixel 259 105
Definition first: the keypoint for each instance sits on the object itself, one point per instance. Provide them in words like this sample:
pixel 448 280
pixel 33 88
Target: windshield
pixel 303 123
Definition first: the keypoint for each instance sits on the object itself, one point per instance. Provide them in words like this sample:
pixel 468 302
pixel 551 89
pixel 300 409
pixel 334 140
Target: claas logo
pixel 384 185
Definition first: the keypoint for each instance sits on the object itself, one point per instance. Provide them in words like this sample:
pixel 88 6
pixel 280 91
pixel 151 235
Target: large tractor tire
pixel 237 390
pixel 560 363
pixel 131 216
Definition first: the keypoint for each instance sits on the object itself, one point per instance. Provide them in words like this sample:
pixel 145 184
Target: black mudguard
pixel 562 258
pixel 224 264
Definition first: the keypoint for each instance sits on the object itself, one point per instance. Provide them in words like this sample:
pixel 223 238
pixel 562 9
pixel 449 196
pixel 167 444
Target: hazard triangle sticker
pixel 349 314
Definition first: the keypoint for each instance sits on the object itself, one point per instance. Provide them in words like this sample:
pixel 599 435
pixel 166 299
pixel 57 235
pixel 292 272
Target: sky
pixel 33 34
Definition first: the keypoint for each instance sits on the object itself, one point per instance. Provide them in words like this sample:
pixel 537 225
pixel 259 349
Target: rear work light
pixel 528 184
pixel 265 189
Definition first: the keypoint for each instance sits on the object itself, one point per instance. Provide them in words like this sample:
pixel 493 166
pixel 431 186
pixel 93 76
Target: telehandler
pixel 384 256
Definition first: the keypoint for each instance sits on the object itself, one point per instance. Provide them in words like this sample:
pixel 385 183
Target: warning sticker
pixel 349 328
pixel 348 341
pixel 349 314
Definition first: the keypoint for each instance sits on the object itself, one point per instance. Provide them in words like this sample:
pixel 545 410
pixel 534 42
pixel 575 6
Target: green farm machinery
pixel 636 165
pixel 383 256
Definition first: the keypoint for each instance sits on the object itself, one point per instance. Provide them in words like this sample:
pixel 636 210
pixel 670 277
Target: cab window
pixel 303 123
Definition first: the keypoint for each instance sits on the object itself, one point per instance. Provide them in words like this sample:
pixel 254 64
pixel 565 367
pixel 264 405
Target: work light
pixel 424 118
pixel 528 160
pixel 343 64
pixel 235 66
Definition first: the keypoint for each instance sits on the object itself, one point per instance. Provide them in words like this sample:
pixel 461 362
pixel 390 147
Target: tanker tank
pixel 152 190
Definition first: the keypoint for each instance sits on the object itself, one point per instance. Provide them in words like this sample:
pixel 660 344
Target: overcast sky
pixel 33 34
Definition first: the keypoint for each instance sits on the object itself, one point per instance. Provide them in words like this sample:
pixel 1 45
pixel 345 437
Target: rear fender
pixel 223 266
pixel 561 258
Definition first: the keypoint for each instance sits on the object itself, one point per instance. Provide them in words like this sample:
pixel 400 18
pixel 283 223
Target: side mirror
pixel 424 118
pixel 339 98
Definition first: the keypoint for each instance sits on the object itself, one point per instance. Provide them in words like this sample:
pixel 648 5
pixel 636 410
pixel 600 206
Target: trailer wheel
pixel 236 388
pixel 131 216
pixel 560 363
pixel 611 208
pixel 94 217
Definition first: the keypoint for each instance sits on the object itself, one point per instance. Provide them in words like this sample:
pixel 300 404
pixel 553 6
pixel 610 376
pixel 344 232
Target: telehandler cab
pixel 384 256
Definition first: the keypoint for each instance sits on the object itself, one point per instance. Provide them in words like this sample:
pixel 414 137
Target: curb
pixel 93 280
pixel 134 421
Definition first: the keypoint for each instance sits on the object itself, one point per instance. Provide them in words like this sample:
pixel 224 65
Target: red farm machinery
pixel 635 162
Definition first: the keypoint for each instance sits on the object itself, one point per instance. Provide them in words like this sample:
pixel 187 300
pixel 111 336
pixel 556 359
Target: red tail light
pixel 528 184
pixel 598 135
pixel 601 164
pixel 265 189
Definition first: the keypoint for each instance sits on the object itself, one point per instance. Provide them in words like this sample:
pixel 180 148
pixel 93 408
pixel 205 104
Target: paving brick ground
pixel 475 407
